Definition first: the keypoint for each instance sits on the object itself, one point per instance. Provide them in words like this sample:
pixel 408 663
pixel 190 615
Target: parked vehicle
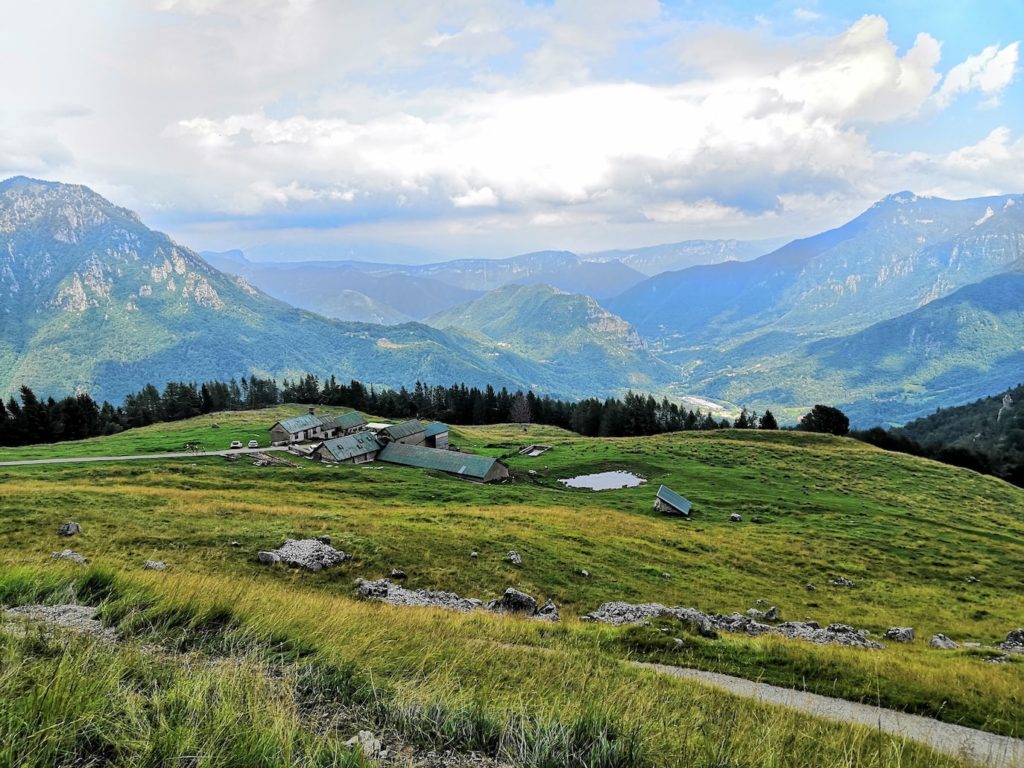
pixel 254 444
pixel 236 444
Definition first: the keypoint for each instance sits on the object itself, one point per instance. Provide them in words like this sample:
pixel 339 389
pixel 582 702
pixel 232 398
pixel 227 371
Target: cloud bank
pixel 463 122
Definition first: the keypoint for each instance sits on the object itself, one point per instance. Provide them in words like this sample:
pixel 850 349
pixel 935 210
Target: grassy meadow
pixel 908 532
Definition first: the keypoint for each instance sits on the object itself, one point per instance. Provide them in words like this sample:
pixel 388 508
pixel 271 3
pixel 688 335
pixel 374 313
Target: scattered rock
pixel 735 518
pixel 311 554
pixel 900 634
pixel 154 565
pixel 842 581
pixel 386 592
pixel 514 557
pixel 666 575
pixel 626 613
pixel 69 529
pixel 1014 642
pixel 678 643
pixel 368 743
pixel 810 587
pixel 79 618
pixel 474 553
pixel 397 574
pixel 235 544
pixel 70 554
pixel 584 573
pixel 514 601
pixel 942 642
pixel 772 614
pixel 761 603
pixel 548 611
pixel 972 580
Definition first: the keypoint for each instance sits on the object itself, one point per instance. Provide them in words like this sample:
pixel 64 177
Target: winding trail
pixel 987 749
pixel 138 457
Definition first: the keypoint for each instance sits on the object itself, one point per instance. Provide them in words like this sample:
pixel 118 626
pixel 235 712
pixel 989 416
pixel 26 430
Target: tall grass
pixel 421 674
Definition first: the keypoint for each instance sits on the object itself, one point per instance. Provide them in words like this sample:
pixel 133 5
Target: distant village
pixel 348 438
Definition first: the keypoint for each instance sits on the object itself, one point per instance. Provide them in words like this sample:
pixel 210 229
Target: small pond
pixel 604 481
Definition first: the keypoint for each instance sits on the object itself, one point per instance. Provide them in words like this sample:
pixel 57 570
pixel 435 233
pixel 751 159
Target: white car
pixel 253 444
pixel 235 444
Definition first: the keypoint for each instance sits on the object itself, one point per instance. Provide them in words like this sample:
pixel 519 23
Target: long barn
pixel 483 469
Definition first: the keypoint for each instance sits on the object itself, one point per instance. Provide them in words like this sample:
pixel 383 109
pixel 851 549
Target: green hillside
pixel 908 533
pixel 570 333
pixel 952 350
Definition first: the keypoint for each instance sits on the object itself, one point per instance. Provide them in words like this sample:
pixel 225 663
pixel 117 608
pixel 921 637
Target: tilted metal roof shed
pixel 668 496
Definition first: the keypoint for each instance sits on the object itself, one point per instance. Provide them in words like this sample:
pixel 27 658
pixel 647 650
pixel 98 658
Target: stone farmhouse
pixel 308 427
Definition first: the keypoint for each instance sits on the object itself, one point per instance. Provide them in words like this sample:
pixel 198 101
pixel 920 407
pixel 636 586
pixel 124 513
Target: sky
pixel 410 131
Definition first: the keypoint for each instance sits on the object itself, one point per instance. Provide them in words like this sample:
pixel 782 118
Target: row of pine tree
pixel 28 419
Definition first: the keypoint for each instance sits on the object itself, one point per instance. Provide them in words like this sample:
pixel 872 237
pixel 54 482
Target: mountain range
pixel 915 304
pixel 94 300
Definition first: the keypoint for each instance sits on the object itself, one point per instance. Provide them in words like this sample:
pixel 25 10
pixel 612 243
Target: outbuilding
pixel 348 449
pixel 344 424
pixel 407 433
pixel 436 436
pixel 671 503
pixel 482 469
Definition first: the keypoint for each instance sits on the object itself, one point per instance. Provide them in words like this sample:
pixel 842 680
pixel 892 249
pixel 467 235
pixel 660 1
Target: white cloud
pixel 462 118
pixel 988 72
pixel 476 198
pixel 805 14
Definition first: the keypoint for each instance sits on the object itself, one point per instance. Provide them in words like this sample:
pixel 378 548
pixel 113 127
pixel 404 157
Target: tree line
pixel 29 419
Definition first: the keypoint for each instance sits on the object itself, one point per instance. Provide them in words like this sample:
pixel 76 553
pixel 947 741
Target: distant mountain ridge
pixel 94 300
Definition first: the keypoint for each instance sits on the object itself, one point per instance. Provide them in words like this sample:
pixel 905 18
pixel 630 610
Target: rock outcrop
pixel 942 642
pixel 310 554
pixel 70 554
pixel 900 634
pixel 709 624
pixel 513 602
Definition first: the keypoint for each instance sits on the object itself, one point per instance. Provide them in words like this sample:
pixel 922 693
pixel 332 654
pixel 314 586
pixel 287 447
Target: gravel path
pixel 984 748
pixel 138 457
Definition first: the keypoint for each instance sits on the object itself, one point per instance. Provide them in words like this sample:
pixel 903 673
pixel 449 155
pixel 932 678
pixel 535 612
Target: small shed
pixel 483 469
pixel 348 449
pixel 408 433
pixel 436 435
pixel 671 503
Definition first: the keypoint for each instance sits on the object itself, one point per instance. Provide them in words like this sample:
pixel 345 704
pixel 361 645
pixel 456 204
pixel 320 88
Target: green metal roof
pixel 351 446
pixel 671 497
pixel 405 429
pixel 348 420
pixel 300 423
pixel 434 429
pixel 464 464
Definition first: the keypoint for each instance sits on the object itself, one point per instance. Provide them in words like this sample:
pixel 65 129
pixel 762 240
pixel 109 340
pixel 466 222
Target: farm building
pixel 347 424
pixel 309 426
pixel 671 503
pixel 348 449
pixel 408 433
pixel 436 435
pixel 483 469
